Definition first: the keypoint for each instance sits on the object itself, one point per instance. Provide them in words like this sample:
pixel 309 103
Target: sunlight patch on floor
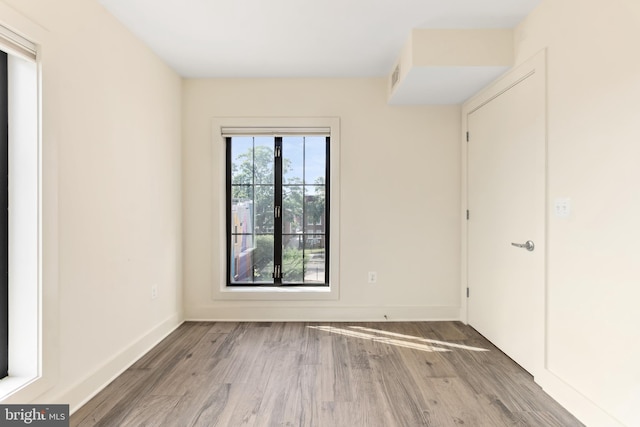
pixel 381 336
pixel 410 337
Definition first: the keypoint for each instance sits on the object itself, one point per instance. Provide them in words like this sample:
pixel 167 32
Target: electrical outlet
pixel 372 277
pixel 562 207
pixel 154 291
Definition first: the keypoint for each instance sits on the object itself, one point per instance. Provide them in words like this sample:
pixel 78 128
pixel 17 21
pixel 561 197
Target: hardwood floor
pixel 324 374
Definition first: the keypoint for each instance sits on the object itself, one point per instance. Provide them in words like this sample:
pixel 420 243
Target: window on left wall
pixel 20 318
pixel 4 217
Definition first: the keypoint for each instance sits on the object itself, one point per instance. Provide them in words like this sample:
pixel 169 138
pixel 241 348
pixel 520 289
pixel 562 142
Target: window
pixel 277 208
pixel 20 238
pixel 4 217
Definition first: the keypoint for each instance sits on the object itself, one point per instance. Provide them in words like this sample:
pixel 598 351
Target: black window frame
pixel 4 215
pixel 278 226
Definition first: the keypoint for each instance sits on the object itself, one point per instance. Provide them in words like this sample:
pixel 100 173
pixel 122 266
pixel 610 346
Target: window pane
pixel 242 210
pixel 293 159
pixel 264 209
pixel 314 209
pixel 292 262
pixel 315 152
pixel 241 194
pixel 263 258
pixel 292 209
pixel 251 263
pixel 241 258
pixel 263 160
pixel 242 160
pixel 314 259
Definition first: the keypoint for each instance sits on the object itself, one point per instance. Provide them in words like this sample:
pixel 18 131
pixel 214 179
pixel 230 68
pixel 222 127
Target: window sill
pixel 276 293
pixel 12 385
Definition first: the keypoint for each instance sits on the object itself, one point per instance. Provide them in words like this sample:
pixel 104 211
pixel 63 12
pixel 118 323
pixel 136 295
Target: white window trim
pixel 15 44
pixel 32 379
pixel 274 293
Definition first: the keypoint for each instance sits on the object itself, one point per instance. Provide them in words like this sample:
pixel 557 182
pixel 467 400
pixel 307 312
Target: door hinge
pixel 467 214
pixel 278 152
pixel 277 273
pixel 467 136
pixel 467 292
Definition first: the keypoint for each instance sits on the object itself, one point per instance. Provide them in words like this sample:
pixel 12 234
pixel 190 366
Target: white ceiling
pixel 298 38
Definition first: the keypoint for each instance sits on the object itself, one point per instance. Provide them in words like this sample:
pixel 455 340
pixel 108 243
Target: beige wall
pixel 593 343
pixel 111 136
pixel 112 197
pixel 399 208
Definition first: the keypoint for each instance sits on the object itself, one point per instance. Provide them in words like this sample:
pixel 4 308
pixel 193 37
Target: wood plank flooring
pixel 324 374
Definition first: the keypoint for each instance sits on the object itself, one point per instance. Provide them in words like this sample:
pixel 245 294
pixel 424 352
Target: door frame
pixel 534 65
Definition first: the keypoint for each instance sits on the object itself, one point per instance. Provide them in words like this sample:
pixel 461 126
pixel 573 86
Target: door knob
pixel 528 245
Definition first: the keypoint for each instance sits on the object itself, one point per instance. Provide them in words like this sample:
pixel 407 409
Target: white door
pixel 506 202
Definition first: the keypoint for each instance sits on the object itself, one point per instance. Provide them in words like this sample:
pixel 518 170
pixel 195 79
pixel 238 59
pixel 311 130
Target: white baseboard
pixel 581 407
pixel 81 392
pixel 323 314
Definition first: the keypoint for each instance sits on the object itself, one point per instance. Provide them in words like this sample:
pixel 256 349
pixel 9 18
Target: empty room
pixel 339 213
